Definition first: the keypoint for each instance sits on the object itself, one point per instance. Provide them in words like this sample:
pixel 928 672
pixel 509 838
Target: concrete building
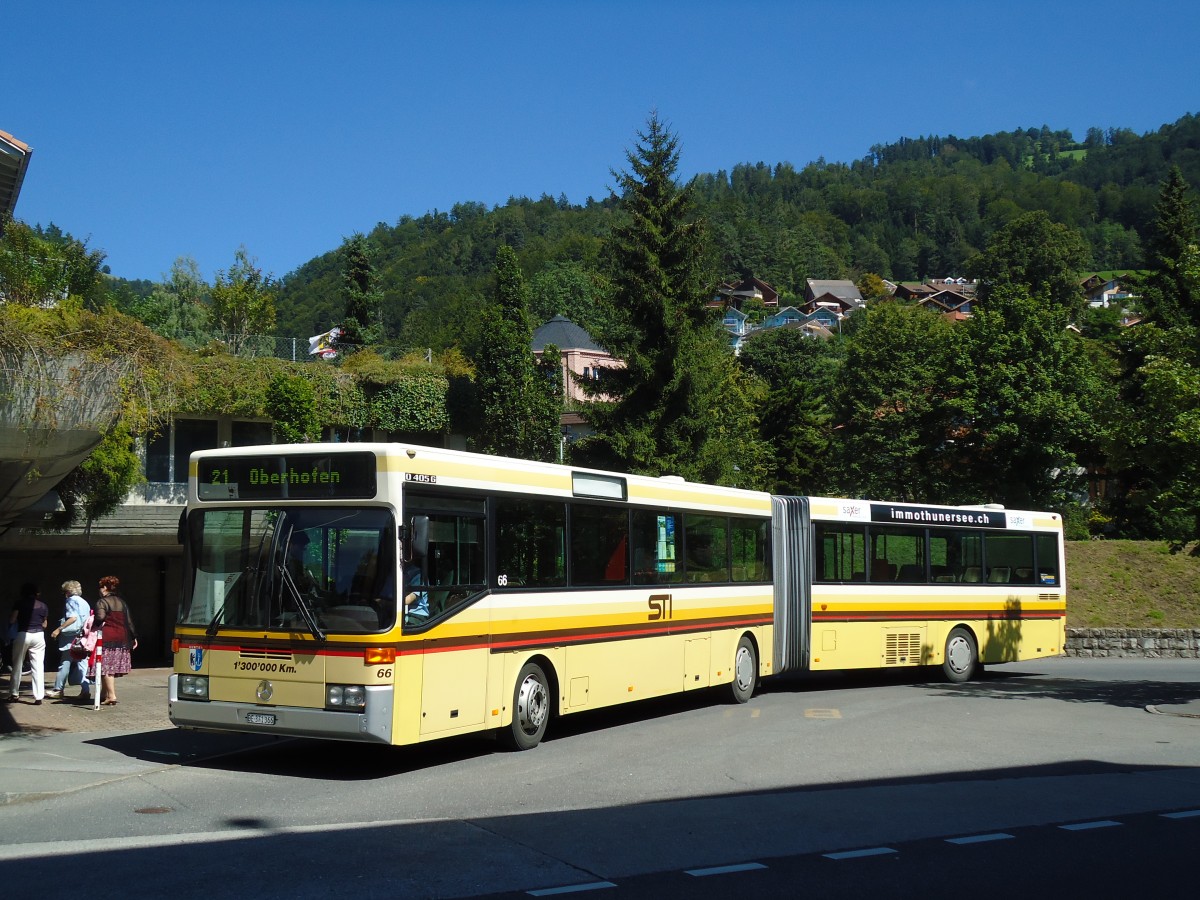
pixel 14 160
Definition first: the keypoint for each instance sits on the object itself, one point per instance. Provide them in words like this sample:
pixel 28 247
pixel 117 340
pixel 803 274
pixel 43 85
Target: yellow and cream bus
pixel 395 593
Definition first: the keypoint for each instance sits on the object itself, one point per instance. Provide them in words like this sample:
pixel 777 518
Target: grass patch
pixel 1131 584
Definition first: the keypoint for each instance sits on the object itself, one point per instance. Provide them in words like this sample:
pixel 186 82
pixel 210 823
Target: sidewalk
pixel 66 745
pixel 142 706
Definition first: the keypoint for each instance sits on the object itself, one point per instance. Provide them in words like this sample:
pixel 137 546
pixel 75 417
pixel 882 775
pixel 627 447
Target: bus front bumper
pixel 374 725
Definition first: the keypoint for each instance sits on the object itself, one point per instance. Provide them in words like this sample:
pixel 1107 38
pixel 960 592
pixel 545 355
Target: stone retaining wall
pixel 1180 643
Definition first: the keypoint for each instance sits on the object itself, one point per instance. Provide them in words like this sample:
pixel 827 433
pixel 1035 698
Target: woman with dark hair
pixel 119 636
pixel 30 617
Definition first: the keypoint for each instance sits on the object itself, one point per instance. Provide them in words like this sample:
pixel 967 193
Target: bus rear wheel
pixel 962 658
pixel 531 709
pixel 745 671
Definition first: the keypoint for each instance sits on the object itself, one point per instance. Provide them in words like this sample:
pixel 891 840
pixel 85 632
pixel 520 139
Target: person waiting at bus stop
pixel 29 616
pixel 75 616
pixel 119 636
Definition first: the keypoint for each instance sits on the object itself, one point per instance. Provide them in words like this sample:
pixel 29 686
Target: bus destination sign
pixel 294 476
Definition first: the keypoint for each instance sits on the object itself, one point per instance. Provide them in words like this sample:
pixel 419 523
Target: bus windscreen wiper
pixel 310 618
pixel 214 624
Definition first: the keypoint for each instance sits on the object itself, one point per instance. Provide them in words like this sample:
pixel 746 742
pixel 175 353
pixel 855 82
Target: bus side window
pixel 599 545
pixel 531 543
pixel 1046 546
pixel 653 541
pixel 705 543
pixel 841 551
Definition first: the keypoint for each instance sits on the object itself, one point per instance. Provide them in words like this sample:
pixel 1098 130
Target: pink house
pixel 582 358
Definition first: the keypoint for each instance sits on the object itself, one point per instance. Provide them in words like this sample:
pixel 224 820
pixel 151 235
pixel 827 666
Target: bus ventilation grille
pixel 1051 597
pixel 263 653
pixel 902 649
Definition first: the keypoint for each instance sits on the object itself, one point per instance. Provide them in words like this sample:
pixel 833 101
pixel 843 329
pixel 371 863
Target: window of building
pixel 167 451
pixel 249 434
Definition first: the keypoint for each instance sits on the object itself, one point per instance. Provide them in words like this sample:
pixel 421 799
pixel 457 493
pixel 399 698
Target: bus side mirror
pixel 181 534
pixel 418 542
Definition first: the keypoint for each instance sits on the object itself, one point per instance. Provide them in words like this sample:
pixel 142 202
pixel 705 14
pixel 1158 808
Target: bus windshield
pixel 318 570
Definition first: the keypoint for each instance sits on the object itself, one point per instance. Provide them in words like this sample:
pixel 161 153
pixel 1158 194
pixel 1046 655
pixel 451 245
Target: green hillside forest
pixel 916 208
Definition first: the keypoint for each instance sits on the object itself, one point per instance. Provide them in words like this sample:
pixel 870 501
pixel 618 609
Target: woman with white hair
pixel 70 627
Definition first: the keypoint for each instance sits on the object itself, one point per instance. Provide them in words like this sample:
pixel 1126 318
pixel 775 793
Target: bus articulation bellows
pixel 396 593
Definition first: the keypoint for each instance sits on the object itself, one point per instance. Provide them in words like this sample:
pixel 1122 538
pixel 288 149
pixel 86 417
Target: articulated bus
pixel 396 593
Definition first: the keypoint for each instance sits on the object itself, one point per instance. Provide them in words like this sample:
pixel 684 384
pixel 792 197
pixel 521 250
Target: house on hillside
pixel 960 285
pixel 820 324
pixel 582 360
pixel 921 290
pixel 735 294
pixel 840 297
pixel 735 322
pixel 1102 292
pixel 913 290
pixel 949 303
pixel 791 317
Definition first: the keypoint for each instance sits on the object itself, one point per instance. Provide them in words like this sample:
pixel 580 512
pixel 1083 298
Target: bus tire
pixel 745 671
pixel 531 709
pixel 961 659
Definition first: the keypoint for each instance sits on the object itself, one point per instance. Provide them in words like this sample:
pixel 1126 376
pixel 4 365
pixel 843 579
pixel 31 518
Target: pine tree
pixel 678 405
pixel 518 401
pixel 362 324
pixel 1172 294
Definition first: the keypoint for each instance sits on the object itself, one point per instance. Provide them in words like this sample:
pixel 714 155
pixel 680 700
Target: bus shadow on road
pixel 350 762
pixel 290 756
pixel 1124 694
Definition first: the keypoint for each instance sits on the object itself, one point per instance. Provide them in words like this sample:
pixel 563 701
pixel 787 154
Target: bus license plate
pixel 260 718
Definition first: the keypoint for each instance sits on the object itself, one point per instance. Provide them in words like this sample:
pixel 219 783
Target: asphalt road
pixel 846 780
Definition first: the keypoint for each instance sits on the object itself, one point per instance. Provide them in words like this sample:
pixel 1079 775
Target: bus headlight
pixel 194 687
pixel 345 696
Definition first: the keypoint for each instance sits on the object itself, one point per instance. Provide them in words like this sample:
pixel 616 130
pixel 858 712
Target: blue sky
pixel 167 129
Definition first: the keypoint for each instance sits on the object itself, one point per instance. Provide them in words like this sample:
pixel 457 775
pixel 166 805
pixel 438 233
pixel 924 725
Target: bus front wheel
pixel 745 670
pixel 962 658
pixel 531 709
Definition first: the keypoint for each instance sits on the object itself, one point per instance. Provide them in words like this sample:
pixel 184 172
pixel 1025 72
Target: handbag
pixel 85 643
pixel 77 650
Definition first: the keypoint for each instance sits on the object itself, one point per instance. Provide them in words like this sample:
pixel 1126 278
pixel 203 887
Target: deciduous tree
pixel 796 418
pixel 897 405
pixel 1036 253
pixel 1033 405
pixel 243 302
